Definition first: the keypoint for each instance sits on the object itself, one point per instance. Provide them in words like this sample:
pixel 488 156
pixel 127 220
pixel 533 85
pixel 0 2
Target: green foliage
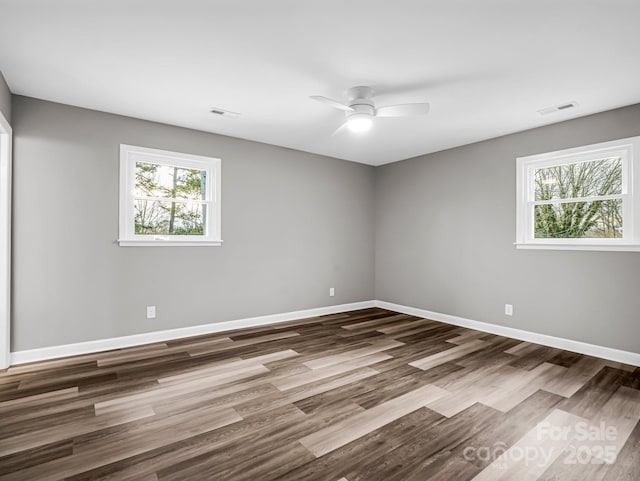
pixel 178 214
pixel 598 218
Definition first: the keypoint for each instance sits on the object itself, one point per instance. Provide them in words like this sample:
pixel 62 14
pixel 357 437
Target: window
pixel 168 199
pixel 585 198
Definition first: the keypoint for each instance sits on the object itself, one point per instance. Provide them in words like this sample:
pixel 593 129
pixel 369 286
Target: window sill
pixel 581 247
pixel 168 243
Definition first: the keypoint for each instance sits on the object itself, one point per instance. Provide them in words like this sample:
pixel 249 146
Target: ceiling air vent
pixel 224 113
pixel 558 108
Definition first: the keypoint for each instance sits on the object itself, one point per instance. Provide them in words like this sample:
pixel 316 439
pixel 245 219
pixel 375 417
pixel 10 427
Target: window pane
pixel 584 179
pixel 173 182
pixel 169 218
pixel 597 219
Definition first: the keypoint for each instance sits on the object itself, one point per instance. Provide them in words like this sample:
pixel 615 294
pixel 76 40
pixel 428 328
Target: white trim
pixel 625 357
pixel 164 157
pixel 6 141
pixel 627 149
pixel 167 243
pixel 100 345
pixel 580 247
pixel 594 151
pixel 575 200
pixel 129 155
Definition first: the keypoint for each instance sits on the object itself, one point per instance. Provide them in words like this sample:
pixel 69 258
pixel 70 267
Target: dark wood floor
pixel 365 395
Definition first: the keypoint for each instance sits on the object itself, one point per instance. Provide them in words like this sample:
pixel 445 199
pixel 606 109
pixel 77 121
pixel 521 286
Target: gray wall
pixel 445 227
pixel 5 99
pixel 293 224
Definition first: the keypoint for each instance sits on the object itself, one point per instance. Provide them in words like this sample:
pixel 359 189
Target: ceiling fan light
pixel 359 122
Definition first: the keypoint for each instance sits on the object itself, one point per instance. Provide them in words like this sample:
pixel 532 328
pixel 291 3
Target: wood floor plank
pixel 198 350
pixel 575 377
pixel 179 454
pixel 621 412
pixel 353 354
pixel 38 399
pixel 511 465
pixel 333 437
pixel 305 391
pixel 219 464
pixel 28 457
pixel 417 459
pixel 626 465
pixel 51 434
pixel 509 394
pixel 595 393
pixel 375 322
pixel 174 389
pixel 591 458
pixel 400 325
pixel 449 355
pixel 366 452
pixel 501 431
pixel 111 448
pixel 290 382
pixel 522 348
pixel 467 335
pixel 13 427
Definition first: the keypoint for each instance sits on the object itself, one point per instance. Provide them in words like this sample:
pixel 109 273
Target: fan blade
pixel 340 130
pixel 403 110
pixel 332 103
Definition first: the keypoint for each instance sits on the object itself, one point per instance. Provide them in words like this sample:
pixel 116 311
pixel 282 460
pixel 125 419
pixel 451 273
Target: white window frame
pixel 129 155
pixel 525 170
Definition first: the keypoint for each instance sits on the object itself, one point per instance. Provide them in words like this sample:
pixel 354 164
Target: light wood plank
pixel 337 435
pixel 449 355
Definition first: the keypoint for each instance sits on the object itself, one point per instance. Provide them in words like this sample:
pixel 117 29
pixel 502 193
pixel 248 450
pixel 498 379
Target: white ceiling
pixel 485 66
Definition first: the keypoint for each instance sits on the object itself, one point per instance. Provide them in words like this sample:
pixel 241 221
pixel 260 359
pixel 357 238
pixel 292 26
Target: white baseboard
pixel 53 352
pixel 88 347
pixel 611 354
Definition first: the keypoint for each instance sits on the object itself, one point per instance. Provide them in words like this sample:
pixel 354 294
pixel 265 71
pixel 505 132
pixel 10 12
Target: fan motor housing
pixel 361 101
pixel 362 108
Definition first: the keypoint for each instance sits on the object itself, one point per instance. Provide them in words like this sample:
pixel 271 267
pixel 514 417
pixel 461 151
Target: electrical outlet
pixel 151 312
pixel 508 309
pixel 332 291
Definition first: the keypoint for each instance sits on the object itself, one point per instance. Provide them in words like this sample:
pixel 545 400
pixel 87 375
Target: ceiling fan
pixel 360 109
